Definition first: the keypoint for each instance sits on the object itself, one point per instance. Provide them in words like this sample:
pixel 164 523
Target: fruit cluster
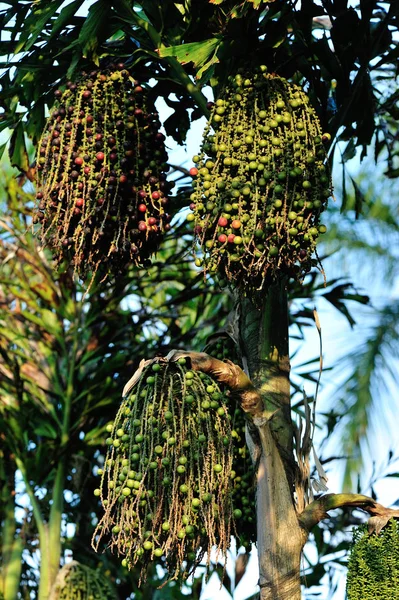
pixel 102 189
pixel 78 582
pixel 167 483
pixel 260 182
pixel 223 347
pixel 373 567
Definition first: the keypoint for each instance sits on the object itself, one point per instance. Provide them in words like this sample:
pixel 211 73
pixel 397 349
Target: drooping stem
pixel 42 530
pixel 7 516
pixel 13 570
pixel 12 546
pixel 54 545
pixel 33 500
pixel 317 510
pixel 55 521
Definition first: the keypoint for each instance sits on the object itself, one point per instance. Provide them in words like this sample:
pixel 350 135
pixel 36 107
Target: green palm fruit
pixel 102 190
pixel 222 346
pixel 78 582
pixel 260 183
pixel 373 567
pixel 167 486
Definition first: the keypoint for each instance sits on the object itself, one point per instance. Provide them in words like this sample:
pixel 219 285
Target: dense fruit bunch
pixel 260 182
pixel 78 582
pixel 167 482
pixel 373 568
pixel 102 186
pixel 223 347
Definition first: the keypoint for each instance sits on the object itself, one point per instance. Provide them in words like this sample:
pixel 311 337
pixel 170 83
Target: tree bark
pixel 280 537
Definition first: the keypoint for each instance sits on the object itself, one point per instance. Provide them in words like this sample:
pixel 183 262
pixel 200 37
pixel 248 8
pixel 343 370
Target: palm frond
pixel 364 399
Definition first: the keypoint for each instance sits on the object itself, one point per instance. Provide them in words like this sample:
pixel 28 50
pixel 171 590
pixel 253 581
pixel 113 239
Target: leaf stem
pixel 40 524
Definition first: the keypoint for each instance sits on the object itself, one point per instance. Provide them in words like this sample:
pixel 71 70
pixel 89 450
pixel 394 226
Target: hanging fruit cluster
pixel 102 189
pixel 167 483
pixel 222 347
pixel 373 567
pixel 78 582
pixel 260 182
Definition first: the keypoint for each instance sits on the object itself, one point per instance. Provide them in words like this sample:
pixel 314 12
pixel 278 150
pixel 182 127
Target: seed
pixel 181 534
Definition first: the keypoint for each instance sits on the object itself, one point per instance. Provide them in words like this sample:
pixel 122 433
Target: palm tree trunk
pixel 280 538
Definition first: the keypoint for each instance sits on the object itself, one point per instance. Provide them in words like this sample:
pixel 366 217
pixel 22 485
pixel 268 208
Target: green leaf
pixel 359 198
pixel 94 28
pixel 73 64
pixel 350 150
pixel 44 429
pixel 35 23
pixel 17 150
pixel 177 125
pixel 124 10
pixel 344 190
pixel 258 3
pixel 195 52
pixel 48 320
pixel 64 17
pixel 51 321
pixel 2 148
pixel 206 72
pixel 7 123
